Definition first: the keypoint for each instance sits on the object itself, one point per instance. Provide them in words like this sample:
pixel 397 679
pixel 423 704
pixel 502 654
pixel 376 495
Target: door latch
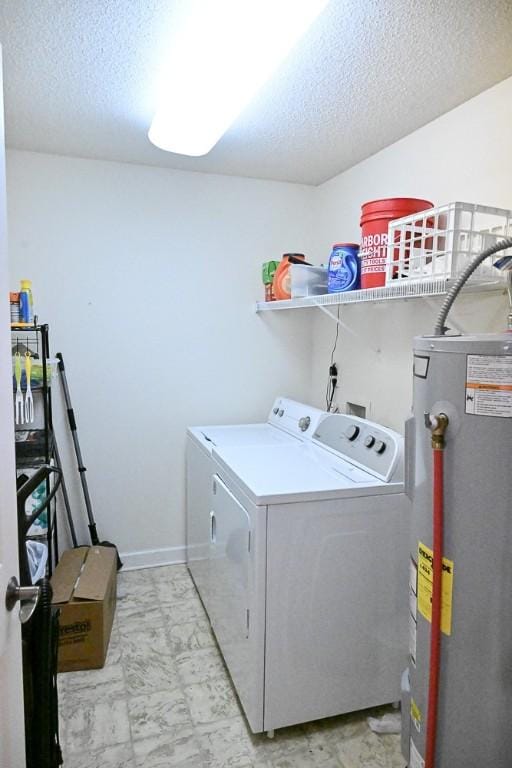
pixel 27 596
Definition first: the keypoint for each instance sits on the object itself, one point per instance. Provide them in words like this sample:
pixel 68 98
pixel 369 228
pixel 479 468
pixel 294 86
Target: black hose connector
pixel 501 245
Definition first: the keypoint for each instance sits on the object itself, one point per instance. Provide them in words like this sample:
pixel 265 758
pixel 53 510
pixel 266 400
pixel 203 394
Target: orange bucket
pixel 375 217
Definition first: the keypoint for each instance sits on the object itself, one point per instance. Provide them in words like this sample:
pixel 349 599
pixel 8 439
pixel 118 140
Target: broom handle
pixel 65 496
pixel 81 469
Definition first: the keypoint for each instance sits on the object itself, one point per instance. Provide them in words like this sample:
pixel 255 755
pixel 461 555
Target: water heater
pixel 467 381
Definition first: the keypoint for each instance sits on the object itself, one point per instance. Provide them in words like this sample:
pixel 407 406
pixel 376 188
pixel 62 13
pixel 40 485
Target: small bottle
pixel 268 272
pixel 14 299
pixel 26 302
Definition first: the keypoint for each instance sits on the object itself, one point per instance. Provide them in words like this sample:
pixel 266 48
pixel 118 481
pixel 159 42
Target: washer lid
pixel 289 421
pixel 295 472
pixel 240 434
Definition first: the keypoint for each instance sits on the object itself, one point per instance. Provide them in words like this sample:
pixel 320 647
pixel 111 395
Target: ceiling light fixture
pixel 222 53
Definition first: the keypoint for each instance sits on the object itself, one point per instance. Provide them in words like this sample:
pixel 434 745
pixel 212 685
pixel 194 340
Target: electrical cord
pixel 332 379
pixel 332 383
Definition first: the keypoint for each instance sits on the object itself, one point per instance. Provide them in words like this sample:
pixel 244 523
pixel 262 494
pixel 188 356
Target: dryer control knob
pixel 275 411
pixel 304 423
pixel 281 413
pixel 380 446
pixel 352 432
pixel 369 441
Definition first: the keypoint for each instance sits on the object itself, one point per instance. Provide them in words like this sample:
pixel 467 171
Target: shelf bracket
pixel 346 327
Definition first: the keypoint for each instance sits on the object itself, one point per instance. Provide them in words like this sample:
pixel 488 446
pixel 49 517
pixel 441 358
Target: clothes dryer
pixel 289 422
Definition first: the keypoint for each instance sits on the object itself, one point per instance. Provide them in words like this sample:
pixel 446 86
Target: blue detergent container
pixel 344 272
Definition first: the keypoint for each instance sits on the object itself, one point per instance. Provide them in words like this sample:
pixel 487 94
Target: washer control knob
pixel 369 441
pixel 352 432
pixel 380 446
pixel 304 423
pixel 281 411
pixel 275 411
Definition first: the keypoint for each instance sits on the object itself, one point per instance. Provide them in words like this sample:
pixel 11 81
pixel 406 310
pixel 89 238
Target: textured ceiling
pixel 80 79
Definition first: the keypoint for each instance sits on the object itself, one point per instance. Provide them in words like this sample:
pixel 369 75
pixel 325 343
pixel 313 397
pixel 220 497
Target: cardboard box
pixel 84 588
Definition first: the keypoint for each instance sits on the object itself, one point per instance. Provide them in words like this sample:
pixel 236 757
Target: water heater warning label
pixel 489 385
pixel 425 587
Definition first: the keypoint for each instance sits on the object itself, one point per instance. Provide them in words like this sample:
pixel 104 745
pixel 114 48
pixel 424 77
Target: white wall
pixel 464 155
pixel 148 278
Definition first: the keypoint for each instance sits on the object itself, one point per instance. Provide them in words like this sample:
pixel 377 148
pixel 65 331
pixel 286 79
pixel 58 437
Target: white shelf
pixel 405 290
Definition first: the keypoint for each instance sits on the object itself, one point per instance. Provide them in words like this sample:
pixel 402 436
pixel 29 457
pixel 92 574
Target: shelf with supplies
pixel 32 392
pixel 37 466
pixel 425 253
pixel 423 289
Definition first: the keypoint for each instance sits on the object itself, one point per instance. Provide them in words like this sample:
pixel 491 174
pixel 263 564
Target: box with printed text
pixel 84 589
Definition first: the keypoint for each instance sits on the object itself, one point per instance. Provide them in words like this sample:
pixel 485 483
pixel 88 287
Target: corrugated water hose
pixel 501 245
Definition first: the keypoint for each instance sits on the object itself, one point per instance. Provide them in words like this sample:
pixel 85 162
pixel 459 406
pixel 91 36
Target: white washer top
pixel 286 424
pixel 281 474
pixel 337 463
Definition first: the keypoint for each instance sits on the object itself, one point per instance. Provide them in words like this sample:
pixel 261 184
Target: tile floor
pixel 165 700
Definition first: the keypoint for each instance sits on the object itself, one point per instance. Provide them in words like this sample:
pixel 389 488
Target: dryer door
pixel 199 488
pixel 229 567
pixel 230 588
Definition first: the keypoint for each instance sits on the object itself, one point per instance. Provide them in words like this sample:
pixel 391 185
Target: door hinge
pixel 247 619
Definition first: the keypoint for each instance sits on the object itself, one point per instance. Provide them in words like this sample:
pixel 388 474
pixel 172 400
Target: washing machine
pixel 308 571
pixel 289 422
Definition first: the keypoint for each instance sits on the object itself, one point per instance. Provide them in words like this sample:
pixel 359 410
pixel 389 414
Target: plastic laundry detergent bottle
pixel 281 283
pixel 344 273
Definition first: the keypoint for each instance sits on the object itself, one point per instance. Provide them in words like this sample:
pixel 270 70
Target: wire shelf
pixel 399 290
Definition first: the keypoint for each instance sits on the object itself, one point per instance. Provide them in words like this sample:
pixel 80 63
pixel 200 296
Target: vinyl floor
pixel 165 700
